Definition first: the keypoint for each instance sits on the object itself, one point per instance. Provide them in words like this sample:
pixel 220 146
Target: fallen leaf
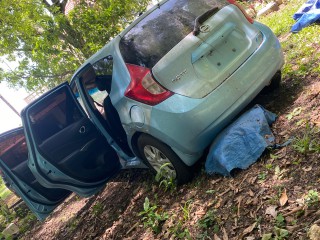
pixel 284 198
pixel 215 237
pixel 251 194
pixel 225 234
pixel 267 236
pixel 314 232
pixel 200 213
pixel 218 204
pixel 307 169
pixel 248 229
pixel 271 210
pixel 250 238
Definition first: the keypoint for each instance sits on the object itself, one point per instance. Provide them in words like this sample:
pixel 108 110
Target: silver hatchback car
pixel 158 92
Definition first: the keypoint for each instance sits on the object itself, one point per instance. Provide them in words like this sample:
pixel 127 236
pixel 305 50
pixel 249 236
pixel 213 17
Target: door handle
pixel 82 129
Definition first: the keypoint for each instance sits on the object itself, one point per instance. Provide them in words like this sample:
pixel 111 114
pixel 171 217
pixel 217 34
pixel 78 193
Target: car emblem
pixel 179 76
pixel 204 28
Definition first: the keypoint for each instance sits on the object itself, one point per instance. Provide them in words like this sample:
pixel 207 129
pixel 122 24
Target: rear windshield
pixel 153 37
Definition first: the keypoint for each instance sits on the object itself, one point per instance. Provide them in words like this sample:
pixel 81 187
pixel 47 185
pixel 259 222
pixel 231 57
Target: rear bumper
pixel 189 125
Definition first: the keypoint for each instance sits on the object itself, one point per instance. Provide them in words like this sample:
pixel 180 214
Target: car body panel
pixel 13 164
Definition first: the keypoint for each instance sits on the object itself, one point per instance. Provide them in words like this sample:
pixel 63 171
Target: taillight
pixel 143 88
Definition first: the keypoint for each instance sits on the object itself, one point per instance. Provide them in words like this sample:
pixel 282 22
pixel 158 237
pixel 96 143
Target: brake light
pixel 143 88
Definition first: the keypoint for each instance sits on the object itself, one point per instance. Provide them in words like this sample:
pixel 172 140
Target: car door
pixel 20 180
pixel 66 149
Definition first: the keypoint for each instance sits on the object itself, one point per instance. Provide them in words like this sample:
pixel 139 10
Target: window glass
pixel 147 42
pixel 52 114
pixel 77 95
pixel 13 149
pixel 97 79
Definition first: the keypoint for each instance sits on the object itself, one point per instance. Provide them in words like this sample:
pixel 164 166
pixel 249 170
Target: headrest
pixel 104 82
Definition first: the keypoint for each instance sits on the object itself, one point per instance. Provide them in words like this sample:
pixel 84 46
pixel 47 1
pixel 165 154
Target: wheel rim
pixel 159 161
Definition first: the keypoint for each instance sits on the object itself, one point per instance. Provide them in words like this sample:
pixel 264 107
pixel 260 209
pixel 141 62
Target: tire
pixel 274 83
pixel 158 155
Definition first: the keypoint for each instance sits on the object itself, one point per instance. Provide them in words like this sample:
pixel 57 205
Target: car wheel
pixel 160 157
pixel 275 82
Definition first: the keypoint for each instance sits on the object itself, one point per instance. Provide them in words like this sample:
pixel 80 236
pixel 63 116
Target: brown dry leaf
pixel 271 210
pixel 225 235
pixel 200 212
pixel 284 198
pixel 215 237
pixel 307 169
pixel 218 203
pixel 248 230
pixel 251 194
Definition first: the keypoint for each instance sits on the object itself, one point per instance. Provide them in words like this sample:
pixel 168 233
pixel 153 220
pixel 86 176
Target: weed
pixel 262 176
pixel 165 179
pixel 27 222
pixel 186 209
pixel 210 191
pixel 307 143
pixel 209 220
pixel 280 221
pixel 73 223
pixel 178 232
pixel 269 166
pixel 97 209
pixel 153 218
pixel 279 189
pixel 204 235
pixel 278 234
pixel 294 113
pixel 312 198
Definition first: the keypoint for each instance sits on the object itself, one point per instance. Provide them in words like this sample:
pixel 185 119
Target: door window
pixel 53 115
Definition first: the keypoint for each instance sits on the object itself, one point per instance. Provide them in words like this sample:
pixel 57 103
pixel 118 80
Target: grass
pixel 4 192
pixel 301 50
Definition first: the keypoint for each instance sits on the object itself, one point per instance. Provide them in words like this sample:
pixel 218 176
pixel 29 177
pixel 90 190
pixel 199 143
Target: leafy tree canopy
pixel 49 45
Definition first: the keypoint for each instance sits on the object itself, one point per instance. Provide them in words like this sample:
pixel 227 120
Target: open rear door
pixel 14 167
pixel 66 149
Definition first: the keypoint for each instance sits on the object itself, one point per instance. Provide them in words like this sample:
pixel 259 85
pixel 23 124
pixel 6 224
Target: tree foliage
pixel 49 45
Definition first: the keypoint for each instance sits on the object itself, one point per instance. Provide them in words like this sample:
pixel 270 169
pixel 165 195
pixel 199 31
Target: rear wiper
pixel 202 18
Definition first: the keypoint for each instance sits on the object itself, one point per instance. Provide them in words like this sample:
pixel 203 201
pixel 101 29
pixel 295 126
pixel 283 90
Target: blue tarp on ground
pixel 306 15
pixel 241 143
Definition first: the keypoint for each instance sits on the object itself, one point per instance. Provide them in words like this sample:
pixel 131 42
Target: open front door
pixel 66 149
pixel 14 167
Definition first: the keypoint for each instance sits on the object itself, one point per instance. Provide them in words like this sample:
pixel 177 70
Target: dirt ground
pixel 269 196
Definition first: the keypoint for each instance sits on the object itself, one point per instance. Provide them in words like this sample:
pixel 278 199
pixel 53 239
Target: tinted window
pixel 13 148
pixel 153 37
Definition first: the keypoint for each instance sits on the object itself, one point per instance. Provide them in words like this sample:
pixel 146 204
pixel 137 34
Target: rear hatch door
pixel 191 64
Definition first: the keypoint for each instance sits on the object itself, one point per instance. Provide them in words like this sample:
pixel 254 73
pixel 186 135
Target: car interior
pixel 14 155
pixel 68 139
pixel 95 85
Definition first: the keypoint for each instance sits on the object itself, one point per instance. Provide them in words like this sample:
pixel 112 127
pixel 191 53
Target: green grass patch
pixel 4 192
pixel 301 50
